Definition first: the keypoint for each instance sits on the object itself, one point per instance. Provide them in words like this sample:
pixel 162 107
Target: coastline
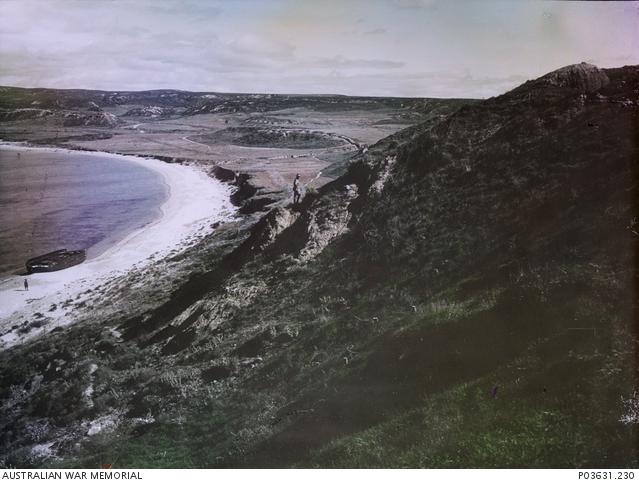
pixel 194 203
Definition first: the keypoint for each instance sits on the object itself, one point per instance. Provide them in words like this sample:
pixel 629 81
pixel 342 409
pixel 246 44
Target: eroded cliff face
pixel 462 296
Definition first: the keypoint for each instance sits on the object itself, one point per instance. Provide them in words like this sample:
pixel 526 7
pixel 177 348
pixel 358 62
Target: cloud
pixel 261 47
pixel 410 4
pixel 195 8
pixel 339 61
pixel 373 47
pixel 377 31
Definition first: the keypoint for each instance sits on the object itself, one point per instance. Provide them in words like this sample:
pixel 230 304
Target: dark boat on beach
pixel 57 260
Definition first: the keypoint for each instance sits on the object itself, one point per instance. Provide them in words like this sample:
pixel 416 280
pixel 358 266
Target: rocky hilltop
pixel 462 296
pixel 582 77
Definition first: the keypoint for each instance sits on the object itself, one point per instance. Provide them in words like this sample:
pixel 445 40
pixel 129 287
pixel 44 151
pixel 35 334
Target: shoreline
pixel 195 201
pixel 112 239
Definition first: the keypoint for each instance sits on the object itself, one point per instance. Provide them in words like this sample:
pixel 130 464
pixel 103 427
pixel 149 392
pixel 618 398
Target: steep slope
pixel 464 296
pixel 483 305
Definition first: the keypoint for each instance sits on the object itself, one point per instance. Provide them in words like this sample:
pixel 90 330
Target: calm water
pixel 53 200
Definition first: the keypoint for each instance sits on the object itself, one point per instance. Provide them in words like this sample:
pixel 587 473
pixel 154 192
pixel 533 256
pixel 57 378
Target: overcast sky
pixel 360 47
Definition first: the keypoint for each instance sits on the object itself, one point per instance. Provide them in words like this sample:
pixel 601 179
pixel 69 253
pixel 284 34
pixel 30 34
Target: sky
pixel 413 48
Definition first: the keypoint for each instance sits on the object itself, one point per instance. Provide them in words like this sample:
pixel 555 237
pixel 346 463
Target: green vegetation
pixel 464 296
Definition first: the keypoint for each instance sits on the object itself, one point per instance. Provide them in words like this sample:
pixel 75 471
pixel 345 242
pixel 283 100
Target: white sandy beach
pixel 195 202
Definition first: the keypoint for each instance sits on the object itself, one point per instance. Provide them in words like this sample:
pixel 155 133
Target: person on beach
pixel 26 285
pixel 296 190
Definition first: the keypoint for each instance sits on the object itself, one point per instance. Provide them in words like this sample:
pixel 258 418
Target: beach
pixel 194 204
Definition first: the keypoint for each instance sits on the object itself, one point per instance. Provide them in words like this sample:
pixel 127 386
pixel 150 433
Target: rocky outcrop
pixel 10 115
pixel 266 231
pixel 327 221
pixel 94 107
pixel 100 119
pixel 245 189
pixel 149 111
pixel 570 81
pixel 583 77
pixel 304 230
pixel 256 204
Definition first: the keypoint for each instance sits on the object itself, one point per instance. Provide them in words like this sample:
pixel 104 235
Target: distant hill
pixel 18 97
pixel 190 102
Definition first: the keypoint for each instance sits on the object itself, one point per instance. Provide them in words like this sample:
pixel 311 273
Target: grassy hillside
pixel 464 296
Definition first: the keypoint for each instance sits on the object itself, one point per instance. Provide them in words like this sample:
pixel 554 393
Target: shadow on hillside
pixel 405 367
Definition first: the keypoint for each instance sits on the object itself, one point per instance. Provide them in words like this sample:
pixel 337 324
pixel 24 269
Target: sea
pixel 55 199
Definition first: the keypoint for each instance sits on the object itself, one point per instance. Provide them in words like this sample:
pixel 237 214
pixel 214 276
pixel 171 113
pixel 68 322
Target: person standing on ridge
pixel 296 190
pixel 26 285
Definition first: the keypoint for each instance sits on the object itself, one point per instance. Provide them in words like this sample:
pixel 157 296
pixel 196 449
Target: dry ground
pixel 272 168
